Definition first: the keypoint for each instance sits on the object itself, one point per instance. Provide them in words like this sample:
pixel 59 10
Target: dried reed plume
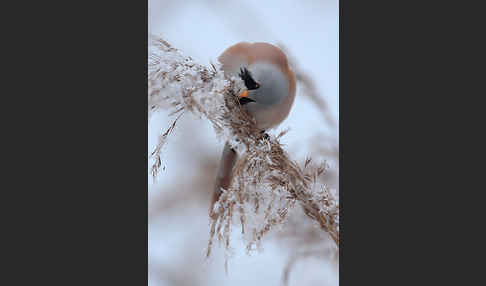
pixel 266 184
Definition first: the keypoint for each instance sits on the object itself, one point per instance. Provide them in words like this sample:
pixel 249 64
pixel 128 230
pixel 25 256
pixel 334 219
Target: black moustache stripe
pixel 245 100
pixel 250 83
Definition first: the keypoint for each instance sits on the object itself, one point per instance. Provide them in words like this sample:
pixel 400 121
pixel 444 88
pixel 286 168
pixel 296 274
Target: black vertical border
pixel 76 168
pixel 408 142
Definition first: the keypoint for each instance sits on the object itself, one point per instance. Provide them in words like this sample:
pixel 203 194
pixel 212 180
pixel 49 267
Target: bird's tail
pixel 224 175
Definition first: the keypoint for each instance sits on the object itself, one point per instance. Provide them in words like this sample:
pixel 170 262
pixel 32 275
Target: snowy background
pixel 179 199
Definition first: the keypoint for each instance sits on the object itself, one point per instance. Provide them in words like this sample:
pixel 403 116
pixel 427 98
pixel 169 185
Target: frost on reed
pixel 267 185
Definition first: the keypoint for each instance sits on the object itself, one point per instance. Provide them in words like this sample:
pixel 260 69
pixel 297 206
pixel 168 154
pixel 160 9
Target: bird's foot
pixel 264 135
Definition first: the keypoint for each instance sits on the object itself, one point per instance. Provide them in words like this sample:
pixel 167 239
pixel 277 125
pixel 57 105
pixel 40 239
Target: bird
pixel 268 96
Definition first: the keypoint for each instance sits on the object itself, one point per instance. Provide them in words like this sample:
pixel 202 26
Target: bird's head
pixel 270 85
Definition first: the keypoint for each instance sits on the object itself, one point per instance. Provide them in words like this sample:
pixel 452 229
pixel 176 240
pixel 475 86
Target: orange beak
pixel 244 99
pixel 244 93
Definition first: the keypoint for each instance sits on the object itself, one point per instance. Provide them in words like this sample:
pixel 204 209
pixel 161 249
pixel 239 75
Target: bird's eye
pixel 250 83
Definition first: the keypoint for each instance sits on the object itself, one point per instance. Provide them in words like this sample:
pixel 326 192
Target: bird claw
pixel 264 135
